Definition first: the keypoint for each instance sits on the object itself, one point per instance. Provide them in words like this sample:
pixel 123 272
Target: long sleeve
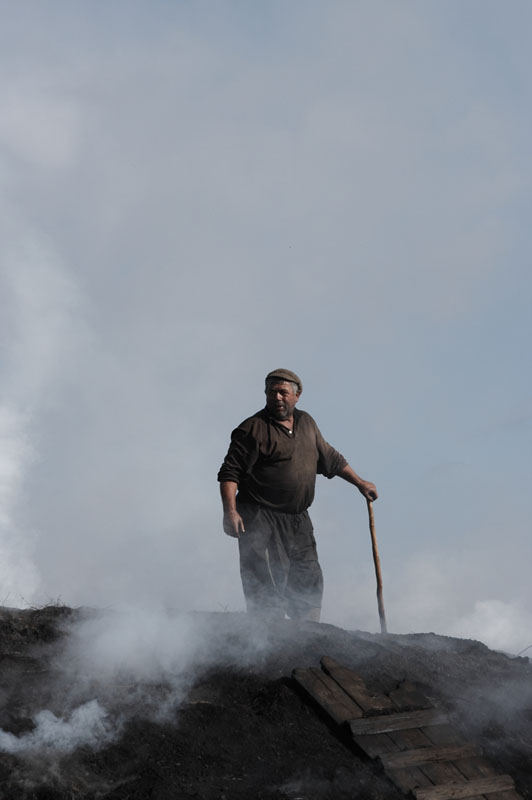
pixel 275 469
pixel 330 461
pixel 242 454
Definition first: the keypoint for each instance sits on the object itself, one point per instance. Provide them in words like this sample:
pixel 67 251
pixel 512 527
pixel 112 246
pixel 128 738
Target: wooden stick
pixel 377 563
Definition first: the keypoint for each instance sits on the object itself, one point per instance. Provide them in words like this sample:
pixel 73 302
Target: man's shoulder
pixel 303 417
pixel 253 423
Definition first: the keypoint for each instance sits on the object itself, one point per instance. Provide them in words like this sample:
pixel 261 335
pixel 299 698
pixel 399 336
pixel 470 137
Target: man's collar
pixel 266 413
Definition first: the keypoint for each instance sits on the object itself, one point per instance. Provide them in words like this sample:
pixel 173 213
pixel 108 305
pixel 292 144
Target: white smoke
pixel 434 592
pixel 38 333
pixel 180 222
pixel 18 575
pixel 86 725
pixel 135 644
pixel 135 662
pixel 500 625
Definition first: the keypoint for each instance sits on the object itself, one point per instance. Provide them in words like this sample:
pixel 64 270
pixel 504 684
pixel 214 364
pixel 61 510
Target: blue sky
pixel 193 194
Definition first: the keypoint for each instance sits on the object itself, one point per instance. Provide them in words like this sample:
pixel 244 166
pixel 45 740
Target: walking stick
pixel 377 563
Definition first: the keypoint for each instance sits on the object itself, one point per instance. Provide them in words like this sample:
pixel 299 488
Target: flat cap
pixel 285 375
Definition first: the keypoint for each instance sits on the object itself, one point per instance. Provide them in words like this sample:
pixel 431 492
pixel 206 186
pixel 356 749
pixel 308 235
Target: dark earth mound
pixel 238 728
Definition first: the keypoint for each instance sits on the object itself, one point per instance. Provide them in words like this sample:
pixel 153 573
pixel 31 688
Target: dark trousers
pixel 279 563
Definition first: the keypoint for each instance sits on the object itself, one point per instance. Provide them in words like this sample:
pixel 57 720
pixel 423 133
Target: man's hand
pixel 233 524
pixel 366 488
pixel 369 490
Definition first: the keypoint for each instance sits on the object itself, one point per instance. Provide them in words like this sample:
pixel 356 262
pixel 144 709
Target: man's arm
pixel 233 522
pixel 369 490
pixel 331 462
pixel 242 454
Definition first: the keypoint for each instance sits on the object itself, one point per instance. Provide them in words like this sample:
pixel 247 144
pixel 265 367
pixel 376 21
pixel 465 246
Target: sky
pixel 195 193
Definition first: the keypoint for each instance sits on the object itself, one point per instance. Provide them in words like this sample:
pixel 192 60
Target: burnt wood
pixel 329 696
pixel 424 755
pixel 433 773
pixel 475 767
pixel 355 687
pixel 418 749
pixel 408 697
pixel 375 744
pixel 457 791
pixel 397 722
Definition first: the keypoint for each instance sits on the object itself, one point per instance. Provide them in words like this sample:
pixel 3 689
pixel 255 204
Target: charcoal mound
pixel 217 714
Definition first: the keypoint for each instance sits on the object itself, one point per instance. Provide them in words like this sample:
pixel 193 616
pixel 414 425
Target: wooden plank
pixel 511 794
pixel 420 752
pixel 458 791
pixel 354 686
pixel 327 694
pixel 413 777
pixel 410 738
pixel 375 744
pixel 409 779
pixel 445 773
pixel 475 767
pixel 397 722
pixel 408 697
pixel 443 734
pixel 433 773
pixel 424 755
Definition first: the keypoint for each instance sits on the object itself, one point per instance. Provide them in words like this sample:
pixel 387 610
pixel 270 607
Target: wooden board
pixel 437 772
pixel 354 686
pixel 432 773
pixel 397 722
pixel 408 697
pixel 457 791
pixel 327 694
pixel 424 755
pixel 419 750
pixel 474 767
pixel 375 744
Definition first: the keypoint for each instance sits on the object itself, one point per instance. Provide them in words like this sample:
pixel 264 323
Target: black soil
pixel 240 728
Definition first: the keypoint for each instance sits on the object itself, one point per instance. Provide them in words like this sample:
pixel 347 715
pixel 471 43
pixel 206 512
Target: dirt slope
pixel 222 718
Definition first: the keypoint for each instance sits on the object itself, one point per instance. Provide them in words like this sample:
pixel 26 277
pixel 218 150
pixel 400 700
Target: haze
pixel 193 194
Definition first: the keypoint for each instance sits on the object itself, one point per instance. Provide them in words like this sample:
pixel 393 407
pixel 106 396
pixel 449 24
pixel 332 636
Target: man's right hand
pixel 233 524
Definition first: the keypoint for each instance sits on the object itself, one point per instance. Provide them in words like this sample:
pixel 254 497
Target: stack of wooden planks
pixel 414 743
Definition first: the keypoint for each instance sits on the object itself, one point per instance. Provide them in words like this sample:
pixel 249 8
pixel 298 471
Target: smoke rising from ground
pixel 86 726
pixel 39 337
pixel 117 666
pixel 114 670
pixel 190 200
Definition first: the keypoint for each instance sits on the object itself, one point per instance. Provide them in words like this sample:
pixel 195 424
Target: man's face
pixel 281 399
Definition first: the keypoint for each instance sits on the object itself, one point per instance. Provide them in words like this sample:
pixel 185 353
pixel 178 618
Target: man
pixel 272 463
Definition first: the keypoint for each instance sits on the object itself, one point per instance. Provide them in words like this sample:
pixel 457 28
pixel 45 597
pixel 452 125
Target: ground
pixel 206 708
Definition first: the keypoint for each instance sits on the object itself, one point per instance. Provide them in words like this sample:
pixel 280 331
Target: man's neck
pixel 287 423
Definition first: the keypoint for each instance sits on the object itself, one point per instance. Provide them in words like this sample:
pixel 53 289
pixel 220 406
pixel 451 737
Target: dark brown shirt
pixel 277 469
